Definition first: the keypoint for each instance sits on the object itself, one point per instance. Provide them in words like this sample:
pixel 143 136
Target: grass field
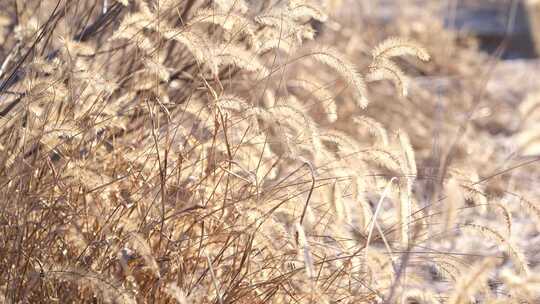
pixel 251 151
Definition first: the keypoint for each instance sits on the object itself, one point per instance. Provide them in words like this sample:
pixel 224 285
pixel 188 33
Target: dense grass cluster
pixel 194 151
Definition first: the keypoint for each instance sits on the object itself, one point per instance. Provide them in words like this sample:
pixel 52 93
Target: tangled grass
pixel 190 151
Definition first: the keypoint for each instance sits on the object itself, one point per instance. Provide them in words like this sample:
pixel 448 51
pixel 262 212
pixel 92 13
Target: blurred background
pixel 489 21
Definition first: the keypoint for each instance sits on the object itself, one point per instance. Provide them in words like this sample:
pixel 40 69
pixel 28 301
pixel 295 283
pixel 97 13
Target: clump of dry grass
pixel 216 151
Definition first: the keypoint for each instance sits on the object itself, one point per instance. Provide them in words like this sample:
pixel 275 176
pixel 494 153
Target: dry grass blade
pixel 346 69
pixel 394 47
pixel 517 256
pixel 471 281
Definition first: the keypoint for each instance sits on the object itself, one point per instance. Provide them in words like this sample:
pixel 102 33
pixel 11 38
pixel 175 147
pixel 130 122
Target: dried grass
pixel 189 151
